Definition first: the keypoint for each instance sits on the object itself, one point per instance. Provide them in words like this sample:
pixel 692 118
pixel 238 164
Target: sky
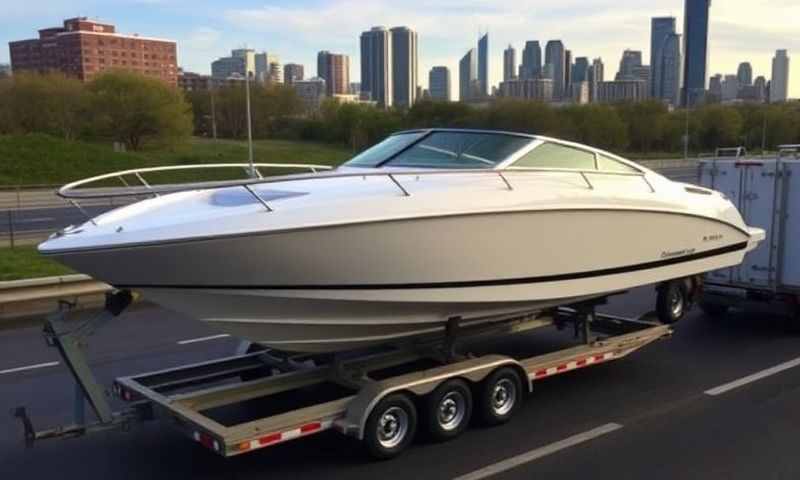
pixel 740 30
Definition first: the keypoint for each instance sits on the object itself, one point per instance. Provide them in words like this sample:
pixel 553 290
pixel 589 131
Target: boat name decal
pixel 712 238
pixel 677 253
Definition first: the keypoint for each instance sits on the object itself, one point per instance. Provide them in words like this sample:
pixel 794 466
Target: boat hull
pixel 334 287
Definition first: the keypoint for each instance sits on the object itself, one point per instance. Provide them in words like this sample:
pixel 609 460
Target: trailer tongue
pixel 375 396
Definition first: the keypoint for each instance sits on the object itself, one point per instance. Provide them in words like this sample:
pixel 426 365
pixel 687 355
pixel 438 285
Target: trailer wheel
pixel 390 426
pixel 448 410
pixel 672 301
pixel 501 395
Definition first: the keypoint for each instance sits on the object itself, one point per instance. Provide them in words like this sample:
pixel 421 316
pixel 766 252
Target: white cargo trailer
pixel 766 190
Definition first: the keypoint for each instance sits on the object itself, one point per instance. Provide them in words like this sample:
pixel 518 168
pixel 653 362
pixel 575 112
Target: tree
pixel 720 127
pixel 133 109
pixel 50 103
pixel 645 122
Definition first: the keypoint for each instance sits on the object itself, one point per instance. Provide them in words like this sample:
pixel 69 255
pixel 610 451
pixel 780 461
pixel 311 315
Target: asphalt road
pixel 49 219
pixel 654 419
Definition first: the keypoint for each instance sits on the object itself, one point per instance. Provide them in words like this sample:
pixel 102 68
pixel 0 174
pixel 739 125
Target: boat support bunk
pixel 373 396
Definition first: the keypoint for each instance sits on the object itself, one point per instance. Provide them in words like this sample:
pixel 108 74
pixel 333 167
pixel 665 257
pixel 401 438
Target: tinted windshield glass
pixel 378 153
pixel 459 150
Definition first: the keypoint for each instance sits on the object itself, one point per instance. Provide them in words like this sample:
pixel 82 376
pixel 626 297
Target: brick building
pixel 83 48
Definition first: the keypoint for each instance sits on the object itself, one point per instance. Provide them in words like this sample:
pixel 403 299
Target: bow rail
pixel 73 192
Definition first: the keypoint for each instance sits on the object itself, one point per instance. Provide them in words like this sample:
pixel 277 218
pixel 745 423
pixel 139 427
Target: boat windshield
pixel 443 149
pixel 377 154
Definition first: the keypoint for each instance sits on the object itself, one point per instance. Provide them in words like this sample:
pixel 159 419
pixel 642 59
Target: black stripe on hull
pixel 466 284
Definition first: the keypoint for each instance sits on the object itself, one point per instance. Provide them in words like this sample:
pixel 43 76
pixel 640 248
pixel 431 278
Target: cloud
pixel 203 38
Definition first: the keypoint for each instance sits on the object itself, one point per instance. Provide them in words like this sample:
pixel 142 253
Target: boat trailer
pixel 351 391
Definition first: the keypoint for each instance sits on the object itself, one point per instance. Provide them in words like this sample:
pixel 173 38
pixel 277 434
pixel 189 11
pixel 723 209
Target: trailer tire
pixel 390 427
pixel 448 410
pixel 501 395
pixel 672 301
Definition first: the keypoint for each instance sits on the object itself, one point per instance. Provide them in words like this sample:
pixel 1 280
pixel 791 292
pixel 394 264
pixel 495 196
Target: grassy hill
pixel 41 159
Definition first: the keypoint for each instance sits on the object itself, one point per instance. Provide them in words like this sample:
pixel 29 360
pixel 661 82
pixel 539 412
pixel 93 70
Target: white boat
pixel 426 226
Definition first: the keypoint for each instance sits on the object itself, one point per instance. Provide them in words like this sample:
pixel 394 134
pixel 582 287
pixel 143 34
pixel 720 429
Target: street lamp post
pixel 249 125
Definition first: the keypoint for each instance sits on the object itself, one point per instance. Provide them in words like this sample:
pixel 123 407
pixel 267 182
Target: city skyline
pixel 738 34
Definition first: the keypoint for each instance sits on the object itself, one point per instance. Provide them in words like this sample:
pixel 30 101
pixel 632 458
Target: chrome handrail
pixel 69 191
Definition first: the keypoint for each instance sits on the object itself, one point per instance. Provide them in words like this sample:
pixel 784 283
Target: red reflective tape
pixel 561 368
pixel 541 373
pixel 271 438
pixel 581 362
pixel 599 358
pixel 310 427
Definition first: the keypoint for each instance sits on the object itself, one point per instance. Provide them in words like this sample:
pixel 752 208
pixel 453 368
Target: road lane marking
pixel 29 367
pixel 203 339
pixel 752 378
pixel 538 453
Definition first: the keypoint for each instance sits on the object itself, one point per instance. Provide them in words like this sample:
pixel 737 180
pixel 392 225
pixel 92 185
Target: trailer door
pixel 757 205
pixel 790 242
pixel 723 176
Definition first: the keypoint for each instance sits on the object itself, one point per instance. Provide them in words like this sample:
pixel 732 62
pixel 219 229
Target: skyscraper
pixel 509 63
pixel 729 88
pixel 666 74
pixel 439 83
pixel 292 72
pixel 376 65
pixel 531 60
pixel 483 65
pixel 660 29
pixel 631 59
pixel 779 85
pixel 334 68
pixel 555 57
pixel 567 72
pixel 404 66
pixel 596 75
pixel 745 74
pixel 760 87
pixel 467 76
pixel 580 71
pixel 695 50
pixel 715 87
pixel 268 68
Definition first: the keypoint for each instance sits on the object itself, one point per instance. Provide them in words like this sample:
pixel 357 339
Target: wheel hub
pixel 503 396
pixel 392 427
pixel 452 410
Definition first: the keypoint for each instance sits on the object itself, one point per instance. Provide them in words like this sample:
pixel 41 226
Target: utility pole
pixel 249 125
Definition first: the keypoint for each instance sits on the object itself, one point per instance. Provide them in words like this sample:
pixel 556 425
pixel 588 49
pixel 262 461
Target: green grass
pixel 25 262
pixel 41 159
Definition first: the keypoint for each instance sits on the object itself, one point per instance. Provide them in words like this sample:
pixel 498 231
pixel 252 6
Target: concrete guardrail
pixel 38 296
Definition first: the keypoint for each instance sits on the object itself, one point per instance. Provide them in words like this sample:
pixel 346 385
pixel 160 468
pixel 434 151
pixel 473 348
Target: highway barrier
pixel 37 296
